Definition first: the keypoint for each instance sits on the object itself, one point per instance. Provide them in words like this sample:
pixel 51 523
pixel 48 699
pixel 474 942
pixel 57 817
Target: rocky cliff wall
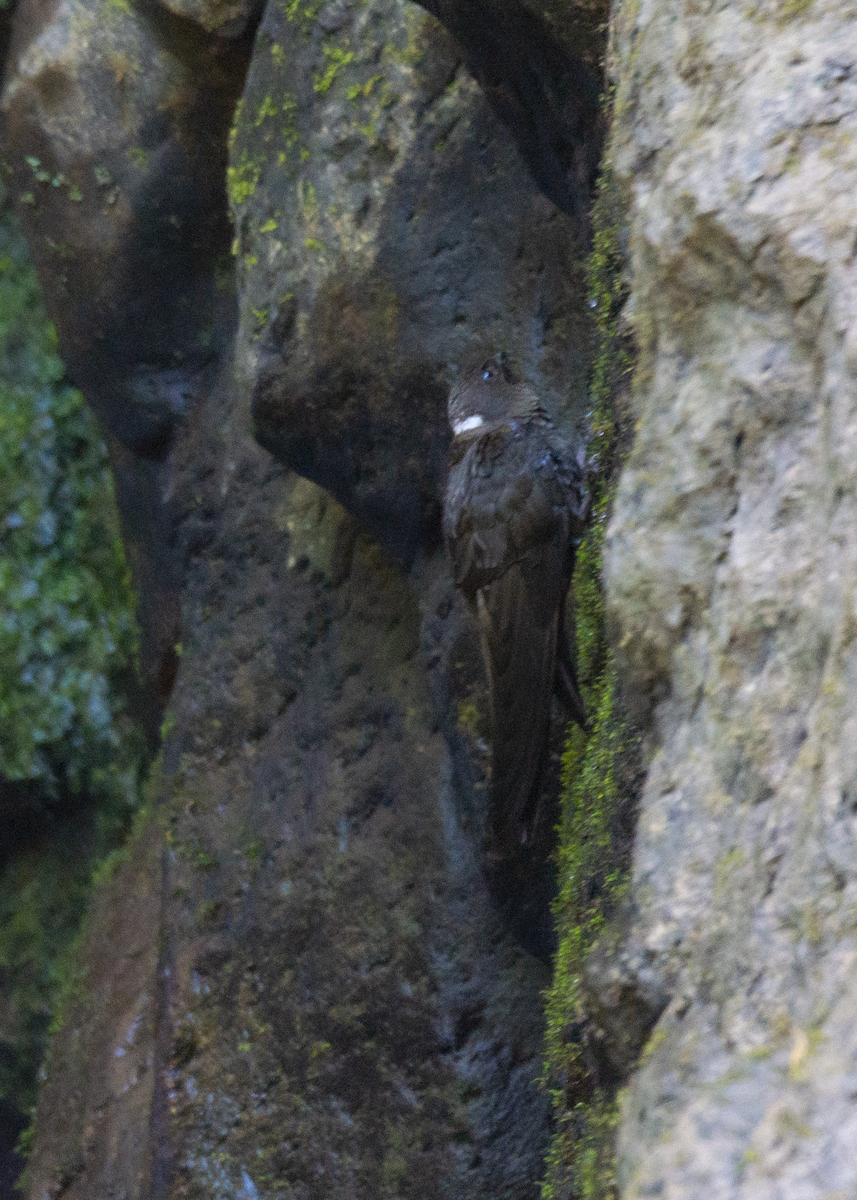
pixel 730 575
pixel 299 981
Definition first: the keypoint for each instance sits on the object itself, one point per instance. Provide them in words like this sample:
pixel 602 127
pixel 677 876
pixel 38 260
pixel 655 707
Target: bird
pixel 514 511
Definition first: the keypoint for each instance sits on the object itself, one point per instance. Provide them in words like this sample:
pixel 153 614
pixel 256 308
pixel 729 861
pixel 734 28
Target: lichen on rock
pixel 299 979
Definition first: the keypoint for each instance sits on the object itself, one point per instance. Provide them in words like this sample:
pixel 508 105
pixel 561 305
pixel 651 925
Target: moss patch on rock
pixel 597 796
pixel 67 627
pixel 70 754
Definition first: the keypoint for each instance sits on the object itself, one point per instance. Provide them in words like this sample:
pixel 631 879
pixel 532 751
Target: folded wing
pixel 519 618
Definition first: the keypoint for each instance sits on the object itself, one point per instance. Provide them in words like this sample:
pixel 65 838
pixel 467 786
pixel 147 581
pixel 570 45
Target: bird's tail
pixel 519 644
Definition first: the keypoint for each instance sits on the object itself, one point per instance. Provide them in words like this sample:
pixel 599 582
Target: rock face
pixel 300 982
pixel 115 122
pixel 731 584
pixel 383 223
pixel 310 993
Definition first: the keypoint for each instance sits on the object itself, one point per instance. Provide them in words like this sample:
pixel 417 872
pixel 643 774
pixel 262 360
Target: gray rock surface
pixel 320 872
pixel 300 982
pixel 731 571
pixel 298 985
pixel 384 223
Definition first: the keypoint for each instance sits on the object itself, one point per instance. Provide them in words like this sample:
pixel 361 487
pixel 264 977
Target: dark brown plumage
pixel 513 510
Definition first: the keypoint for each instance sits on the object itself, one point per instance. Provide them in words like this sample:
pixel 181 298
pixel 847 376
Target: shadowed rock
pixel 116 120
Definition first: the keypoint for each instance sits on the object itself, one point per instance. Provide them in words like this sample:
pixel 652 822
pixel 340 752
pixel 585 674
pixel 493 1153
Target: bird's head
pixel 488 393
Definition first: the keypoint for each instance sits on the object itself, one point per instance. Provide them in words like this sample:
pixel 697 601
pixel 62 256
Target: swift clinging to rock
pixel 514 509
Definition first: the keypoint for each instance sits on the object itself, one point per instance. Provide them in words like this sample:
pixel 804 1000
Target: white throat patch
pixel 468 424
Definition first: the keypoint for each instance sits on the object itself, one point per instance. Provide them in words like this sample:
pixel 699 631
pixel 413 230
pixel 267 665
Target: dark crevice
pixel 547 98
pixel 12 1124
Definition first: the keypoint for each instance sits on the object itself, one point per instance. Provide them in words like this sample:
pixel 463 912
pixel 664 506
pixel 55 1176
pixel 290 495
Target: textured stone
pixel 385 222
pixel 115 123
pixel 731 569
pixel 338 1009
pixel 339 1001
pixel 95 1131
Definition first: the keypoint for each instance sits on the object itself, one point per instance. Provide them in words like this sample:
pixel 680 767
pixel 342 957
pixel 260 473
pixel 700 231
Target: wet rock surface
pixel 343 1010
pixel 730 576
pixel 300 981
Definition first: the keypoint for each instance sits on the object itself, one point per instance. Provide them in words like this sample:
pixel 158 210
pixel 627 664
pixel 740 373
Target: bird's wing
pixel 497 515
pixel 520 617
pixel 477 538
pixel 508 529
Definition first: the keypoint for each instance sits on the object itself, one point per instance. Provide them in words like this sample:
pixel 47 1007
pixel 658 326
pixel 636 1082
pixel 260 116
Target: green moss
pixel 233 132
pixel 308 201
pixel 242 180
pixel 657 1039
pixel 303 12
pixel 793 8
pixel 336 59
pixel 359 91
pixel 114 10
pixel 468 717
pixel 43 176
pixel 266 109
pixel 593 841
pixel 726 868
pixel 412 53
pixel 582 1160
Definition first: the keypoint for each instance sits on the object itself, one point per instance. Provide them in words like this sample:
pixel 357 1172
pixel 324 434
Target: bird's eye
pixel 487 372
